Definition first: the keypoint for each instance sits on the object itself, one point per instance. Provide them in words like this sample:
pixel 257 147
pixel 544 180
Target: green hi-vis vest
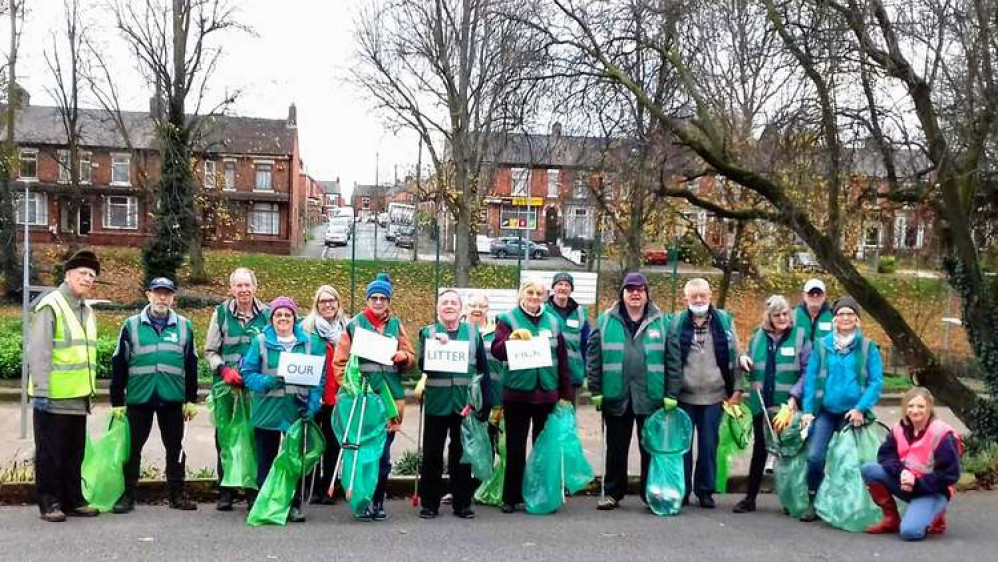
pixel 377 374
pixel 497 369
pixel 278 408
pixel 74 351
pixel 819 328
pixel 613 338
pixel 236 337
pixel 447 393
pixel 156 360
pixel 860 364
pixel 571 330
pixel 726 320
pixel 530 379
pixel 788 369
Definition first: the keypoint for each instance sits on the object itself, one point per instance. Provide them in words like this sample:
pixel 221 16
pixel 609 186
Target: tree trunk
pixel 635 235
pixel 462 258
pixel 199 274
pixel 729 266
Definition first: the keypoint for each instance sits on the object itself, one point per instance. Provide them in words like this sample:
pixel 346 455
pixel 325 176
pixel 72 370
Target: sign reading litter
pixel 528 354
pixel 301 369
pixel 450 357
pixel 373 346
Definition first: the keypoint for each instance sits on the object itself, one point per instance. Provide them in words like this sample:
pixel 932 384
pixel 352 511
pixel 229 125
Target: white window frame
pixel 127 161
pixel 554 175
pixel 580 189
pixel 210 179
pixel 880 235
pixel 580 223
pixel 257 165
pixel 365 203
pixel 86 163
pixel 41 208
pixel 63 165
pixel 33 154
pixel 131 207
pixel 273 226
pixel 226 185
pixel 507 212
pixel 519 182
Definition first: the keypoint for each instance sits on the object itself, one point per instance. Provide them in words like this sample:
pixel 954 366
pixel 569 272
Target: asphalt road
pixel 577 533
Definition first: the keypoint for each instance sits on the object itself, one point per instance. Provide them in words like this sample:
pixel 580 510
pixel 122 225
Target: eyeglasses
pixel 638 289
pixel 328 301
pixel 282 315
pixel 845 314
pixel 378 298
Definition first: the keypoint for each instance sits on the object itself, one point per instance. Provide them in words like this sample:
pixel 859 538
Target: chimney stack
pixel 556 129
pixel 292 116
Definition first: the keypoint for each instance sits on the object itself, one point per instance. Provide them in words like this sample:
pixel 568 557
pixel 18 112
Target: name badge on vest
pixel 545 333
pixel 172 338
pixel 825 326
pixel 572 323
pixel 654 334
pixel 787 351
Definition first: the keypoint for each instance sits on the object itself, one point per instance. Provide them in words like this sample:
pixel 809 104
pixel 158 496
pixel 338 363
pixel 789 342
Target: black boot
pixel 810 515
pixel 179 500
pixel 224 502
pixel 125 504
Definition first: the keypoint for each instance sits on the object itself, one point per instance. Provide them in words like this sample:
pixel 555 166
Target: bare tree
pixel 455 72
pixel 10 263
pixel 944 81
pixel 175 44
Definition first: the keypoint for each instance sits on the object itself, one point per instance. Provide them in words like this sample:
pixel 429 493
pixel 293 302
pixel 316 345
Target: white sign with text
pixel 528 354
pixel 301 369
pixel 373 346
pixel 450 357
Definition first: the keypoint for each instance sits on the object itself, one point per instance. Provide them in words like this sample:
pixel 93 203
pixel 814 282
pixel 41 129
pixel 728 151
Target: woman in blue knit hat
pixel 377 317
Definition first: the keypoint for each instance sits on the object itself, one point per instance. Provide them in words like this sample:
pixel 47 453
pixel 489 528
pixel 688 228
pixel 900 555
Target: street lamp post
pixel 25 299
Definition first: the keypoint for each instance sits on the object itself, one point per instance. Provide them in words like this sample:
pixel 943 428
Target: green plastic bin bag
pixel 556 463
pixel 104 460
pixel 301 449
pixel 490 491
pixel 842 499
pixel 360 425
pixel 238 445
pixel 666 436
pixel 476 448
pixel 790 471
pixel 220 402
pixel 733 438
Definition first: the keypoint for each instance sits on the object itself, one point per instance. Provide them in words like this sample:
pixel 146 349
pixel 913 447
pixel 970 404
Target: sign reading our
pixel 300 369
pixel 450 357
pixel 529 354
pixel 373 346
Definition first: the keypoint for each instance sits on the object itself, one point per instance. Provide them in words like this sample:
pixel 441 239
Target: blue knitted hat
pixel 382 285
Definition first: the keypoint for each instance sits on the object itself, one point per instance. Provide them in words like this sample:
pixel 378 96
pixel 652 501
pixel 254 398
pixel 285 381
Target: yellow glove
pixel 669 404
pixel 733 410
pixel 118 413
pixel 521 334
pixel 421 387
pixel 190 410
pixel 495 418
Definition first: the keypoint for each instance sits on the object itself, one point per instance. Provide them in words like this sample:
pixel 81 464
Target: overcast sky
pixel 300 53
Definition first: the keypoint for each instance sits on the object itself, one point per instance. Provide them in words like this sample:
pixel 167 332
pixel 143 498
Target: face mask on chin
pixel 699 309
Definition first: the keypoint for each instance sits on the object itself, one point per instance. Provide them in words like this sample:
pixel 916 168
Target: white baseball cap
pixel 814 283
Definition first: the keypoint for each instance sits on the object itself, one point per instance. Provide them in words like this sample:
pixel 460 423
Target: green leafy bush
pixel 983 464
pixel 887 264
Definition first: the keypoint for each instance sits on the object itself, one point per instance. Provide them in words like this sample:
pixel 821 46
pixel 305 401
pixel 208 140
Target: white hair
pixel 695 284
pixel 240 272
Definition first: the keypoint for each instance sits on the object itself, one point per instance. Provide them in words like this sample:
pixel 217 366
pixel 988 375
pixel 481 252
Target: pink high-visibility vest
pixel 919 457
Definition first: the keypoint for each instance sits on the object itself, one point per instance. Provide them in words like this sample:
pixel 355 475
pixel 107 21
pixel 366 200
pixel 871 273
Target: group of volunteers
pixel 635 359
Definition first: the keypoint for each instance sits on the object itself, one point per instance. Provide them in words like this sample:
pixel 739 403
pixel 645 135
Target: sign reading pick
pixel 529 354
pixel 300 369
pixel 450 357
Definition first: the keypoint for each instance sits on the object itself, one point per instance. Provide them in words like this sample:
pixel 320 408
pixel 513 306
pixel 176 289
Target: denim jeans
pixel 922 510
pixel 707 424
pixel 823 427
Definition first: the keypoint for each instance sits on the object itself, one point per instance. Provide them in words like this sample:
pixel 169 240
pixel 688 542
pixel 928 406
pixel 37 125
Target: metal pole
pixel 436 267
pixel 376 217
pixel 599 264
pixel 675 270
pixel 530 237
pixel 415 211
pixel 25 298
pixel 353 265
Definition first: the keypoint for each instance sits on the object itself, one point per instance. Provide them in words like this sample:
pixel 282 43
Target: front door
pixel 551 226
pixel 83 224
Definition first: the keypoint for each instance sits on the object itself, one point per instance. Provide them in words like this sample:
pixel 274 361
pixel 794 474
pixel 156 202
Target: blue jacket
pixel 842 390
pixel 260 384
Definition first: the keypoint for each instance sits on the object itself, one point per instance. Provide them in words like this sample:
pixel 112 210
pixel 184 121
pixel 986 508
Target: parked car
pixel 511 246
pixel 405 237
pixel 655 256
pixel 337 234
pixel 383 221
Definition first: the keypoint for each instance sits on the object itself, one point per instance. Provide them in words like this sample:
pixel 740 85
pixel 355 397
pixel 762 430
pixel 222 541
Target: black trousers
pixel 323 471
pixel 521 419
pixel 60 441
pixel 618 445
pixel 435 432
pixel 268 445
pixel 170 418
pixel 759 454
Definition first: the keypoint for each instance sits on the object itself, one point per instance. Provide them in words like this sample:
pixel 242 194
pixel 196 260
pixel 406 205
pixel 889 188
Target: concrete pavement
pixel 577 533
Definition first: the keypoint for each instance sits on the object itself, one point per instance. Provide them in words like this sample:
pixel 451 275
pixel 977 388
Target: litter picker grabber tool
pixel 302 498
pixel 419 453
pixel 765 413
pixel 346 445
pixel 183 438
pixel 602 439
pixel 356 444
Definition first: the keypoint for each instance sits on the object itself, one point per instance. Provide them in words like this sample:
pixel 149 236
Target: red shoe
pixel 891 522
pixel 938 525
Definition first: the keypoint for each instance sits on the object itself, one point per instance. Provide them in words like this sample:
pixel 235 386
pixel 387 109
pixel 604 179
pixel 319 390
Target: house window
pixel 365 203
pixel 871 238
pixel 553 176
pixel 264 177
pixel 521 182
pixel 29 164
pixel 518 218
pixel 580 223
pixel 64 167
pixel 121 165
pixel 230 175
pixel 36 210
pixel 85 167
pixel 265 219
pixel 580 190
pixel 209 174
pixel 121 213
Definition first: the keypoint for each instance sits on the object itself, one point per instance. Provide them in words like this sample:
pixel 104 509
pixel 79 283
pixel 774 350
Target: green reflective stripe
pixel 152 369
pixel 235 340
pixel 457 381
pixel 656 368
pixel 613 367
pixel 68 343
pixel 573 354
pixel 370 366
pixel 571 337
pixel 70 366
pixel 612 346
pixel 231 358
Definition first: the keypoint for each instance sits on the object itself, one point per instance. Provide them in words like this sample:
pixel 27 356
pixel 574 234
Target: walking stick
pixel 602 437
pixel 419 453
